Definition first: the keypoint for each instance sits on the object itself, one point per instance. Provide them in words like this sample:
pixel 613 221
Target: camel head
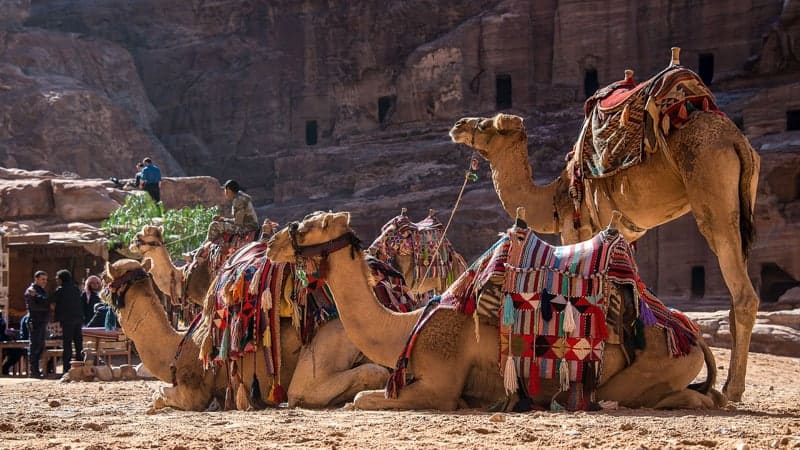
pixel 118 275
pixel 306 236
pixel 487 135
pixel 151 236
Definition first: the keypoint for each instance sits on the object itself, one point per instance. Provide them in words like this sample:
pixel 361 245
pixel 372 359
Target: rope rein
pixel 470 175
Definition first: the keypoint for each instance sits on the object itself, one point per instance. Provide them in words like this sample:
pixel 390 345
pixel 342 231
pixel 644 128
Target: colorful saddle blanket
pixel 390 286
pixel 555 310
pixel 624 119
pixel 225 246
pixel 401 236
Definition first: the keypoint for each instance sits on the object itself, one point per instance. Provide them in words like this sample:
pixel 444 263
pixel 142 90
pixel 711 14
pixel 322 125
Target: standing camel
pixel 708 167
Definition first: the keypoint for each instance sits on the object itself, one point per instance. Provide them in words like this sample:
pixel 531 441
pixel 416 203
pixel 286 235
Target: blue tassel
pixel 508 311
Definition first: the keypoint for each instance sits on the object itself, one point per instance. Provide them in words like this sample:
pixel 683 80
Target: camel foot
pixel 733 393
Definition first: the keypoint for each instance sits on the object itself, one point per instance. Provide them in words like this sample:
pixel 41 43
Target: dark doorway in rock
pixel 385 107
pixel 793 120
pixel 590 82
pixel 311 132
pixel 698 281
pixel 774 282
pixel 503 91
pixel 705 67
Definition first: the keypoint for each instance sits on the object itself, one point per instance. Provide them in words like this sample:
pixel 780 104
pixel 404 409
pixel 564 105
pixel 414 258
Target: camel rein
pixel 470 175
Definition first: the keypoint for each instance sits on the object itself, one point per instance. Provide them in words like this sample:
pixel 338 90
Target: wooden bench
pixel 106 347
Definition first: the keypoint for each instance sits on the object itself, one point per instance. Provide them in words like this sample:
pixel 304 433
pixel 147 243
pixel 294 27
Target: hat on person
pixel 232 185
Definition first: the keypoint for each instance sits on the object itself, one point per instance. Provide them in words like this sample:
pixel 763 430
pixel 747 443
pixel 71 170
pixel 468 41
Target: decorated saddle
pixel 226 245
pixel 624 119
pixel 556 309
pixel 401 236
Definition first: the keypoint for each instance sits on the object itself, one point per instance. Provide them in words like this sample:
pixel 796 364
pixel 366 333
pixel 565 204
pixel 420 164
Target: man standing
pixel 39 314
pixel 151 179
pixel 244 218
pixel 69 312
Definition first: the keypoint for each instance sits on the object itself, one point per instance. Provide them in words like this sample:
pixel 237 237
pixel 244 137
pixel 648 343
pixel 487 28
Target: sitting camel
pixel 447 362
pixel 410 247
pixel 693 158
pixel 325 372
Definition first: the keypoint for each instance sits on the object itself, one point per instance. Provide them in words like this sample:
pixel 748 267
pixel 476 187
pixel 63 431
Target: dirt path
pixel 49 414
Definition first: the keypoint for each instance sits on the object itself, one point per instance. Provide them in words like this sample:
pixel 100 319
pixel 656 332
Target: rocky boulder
pixel 45 198
pixel 776 332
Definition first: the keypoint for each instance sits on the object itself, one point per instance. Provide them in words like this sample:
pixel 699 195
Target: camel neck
pixel 144 321
pixel 378 332
pixel 512 177
pixel 165 273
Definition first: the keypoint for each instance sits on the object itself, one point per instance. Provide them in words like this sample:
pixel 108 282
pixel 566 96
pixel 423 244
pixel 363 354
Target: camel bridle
pixel 119 287
pixel 325 248
pixel 140 242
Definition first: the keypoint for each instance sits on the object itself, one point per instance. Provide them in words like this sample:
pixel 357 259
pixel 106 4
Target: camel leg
pixel 714 196
pixel 325 374
pixel 721 229
pixel 180 398
pixel 685 399
pixel 415 396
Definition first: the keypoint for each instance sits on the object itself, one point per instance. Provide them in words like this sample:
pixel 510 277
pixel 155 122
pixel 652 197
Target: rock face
pixel 346 105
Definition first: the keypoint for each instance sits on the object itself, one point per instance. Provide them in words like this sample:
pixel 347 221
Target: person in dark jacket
pixel 69 312
pixel 39 311
pixel 12 355
pixel 90 297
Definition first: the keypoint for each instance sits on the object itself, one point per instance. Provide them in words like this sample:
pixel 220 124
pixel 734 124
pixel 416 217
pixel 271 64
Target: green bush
pixel 184 229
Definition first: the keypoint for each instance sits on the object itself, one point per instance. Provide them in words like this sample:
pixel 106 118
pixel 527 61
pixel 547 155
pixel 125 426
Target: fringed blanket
pixel 225 246
pixel 242 315
pixel 401 236
pixel 552 314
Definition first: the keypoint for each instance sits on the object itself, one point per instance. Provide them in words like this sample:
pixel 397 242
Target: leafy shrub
pixel 184 229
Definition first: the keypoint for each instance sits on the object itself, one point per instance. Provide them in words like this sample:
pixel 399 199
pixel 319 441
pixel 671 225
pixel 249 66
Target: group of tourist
pixel 70 306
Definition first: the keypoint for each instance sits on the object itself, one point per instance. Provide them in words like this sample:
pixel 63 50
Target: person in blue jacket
pixel 151 179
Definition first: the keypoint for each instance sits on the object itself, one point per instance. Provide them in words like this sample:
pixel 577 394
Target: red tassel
pixel 682 114
pixel 705 104
pixel 533 379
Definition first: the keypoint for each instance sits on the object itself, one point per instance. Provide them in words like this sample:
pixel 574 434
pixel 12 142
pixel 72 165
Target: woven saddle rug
pixel 555 311
pixel 624 119
pixel 401 236
pixel 225 246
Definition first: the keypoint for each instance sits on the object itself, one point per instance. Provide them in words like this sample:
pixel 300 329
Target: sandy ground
pixel 50 414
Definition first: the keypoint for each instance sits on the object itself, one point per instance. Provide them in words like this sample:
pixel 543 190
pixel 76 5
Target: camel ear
pixel 108 270
pixel 147 264
pixel 507 122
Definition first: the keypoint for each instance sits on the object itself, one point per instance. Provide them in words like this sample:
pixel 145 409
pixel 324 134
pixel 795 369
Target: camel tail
pixel 749 163
pixel 707 387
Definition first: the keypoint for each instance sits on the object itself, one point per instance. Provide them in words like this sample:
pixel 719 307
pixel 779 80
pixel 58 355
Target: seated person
pixel 12 355
pixel 243 220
